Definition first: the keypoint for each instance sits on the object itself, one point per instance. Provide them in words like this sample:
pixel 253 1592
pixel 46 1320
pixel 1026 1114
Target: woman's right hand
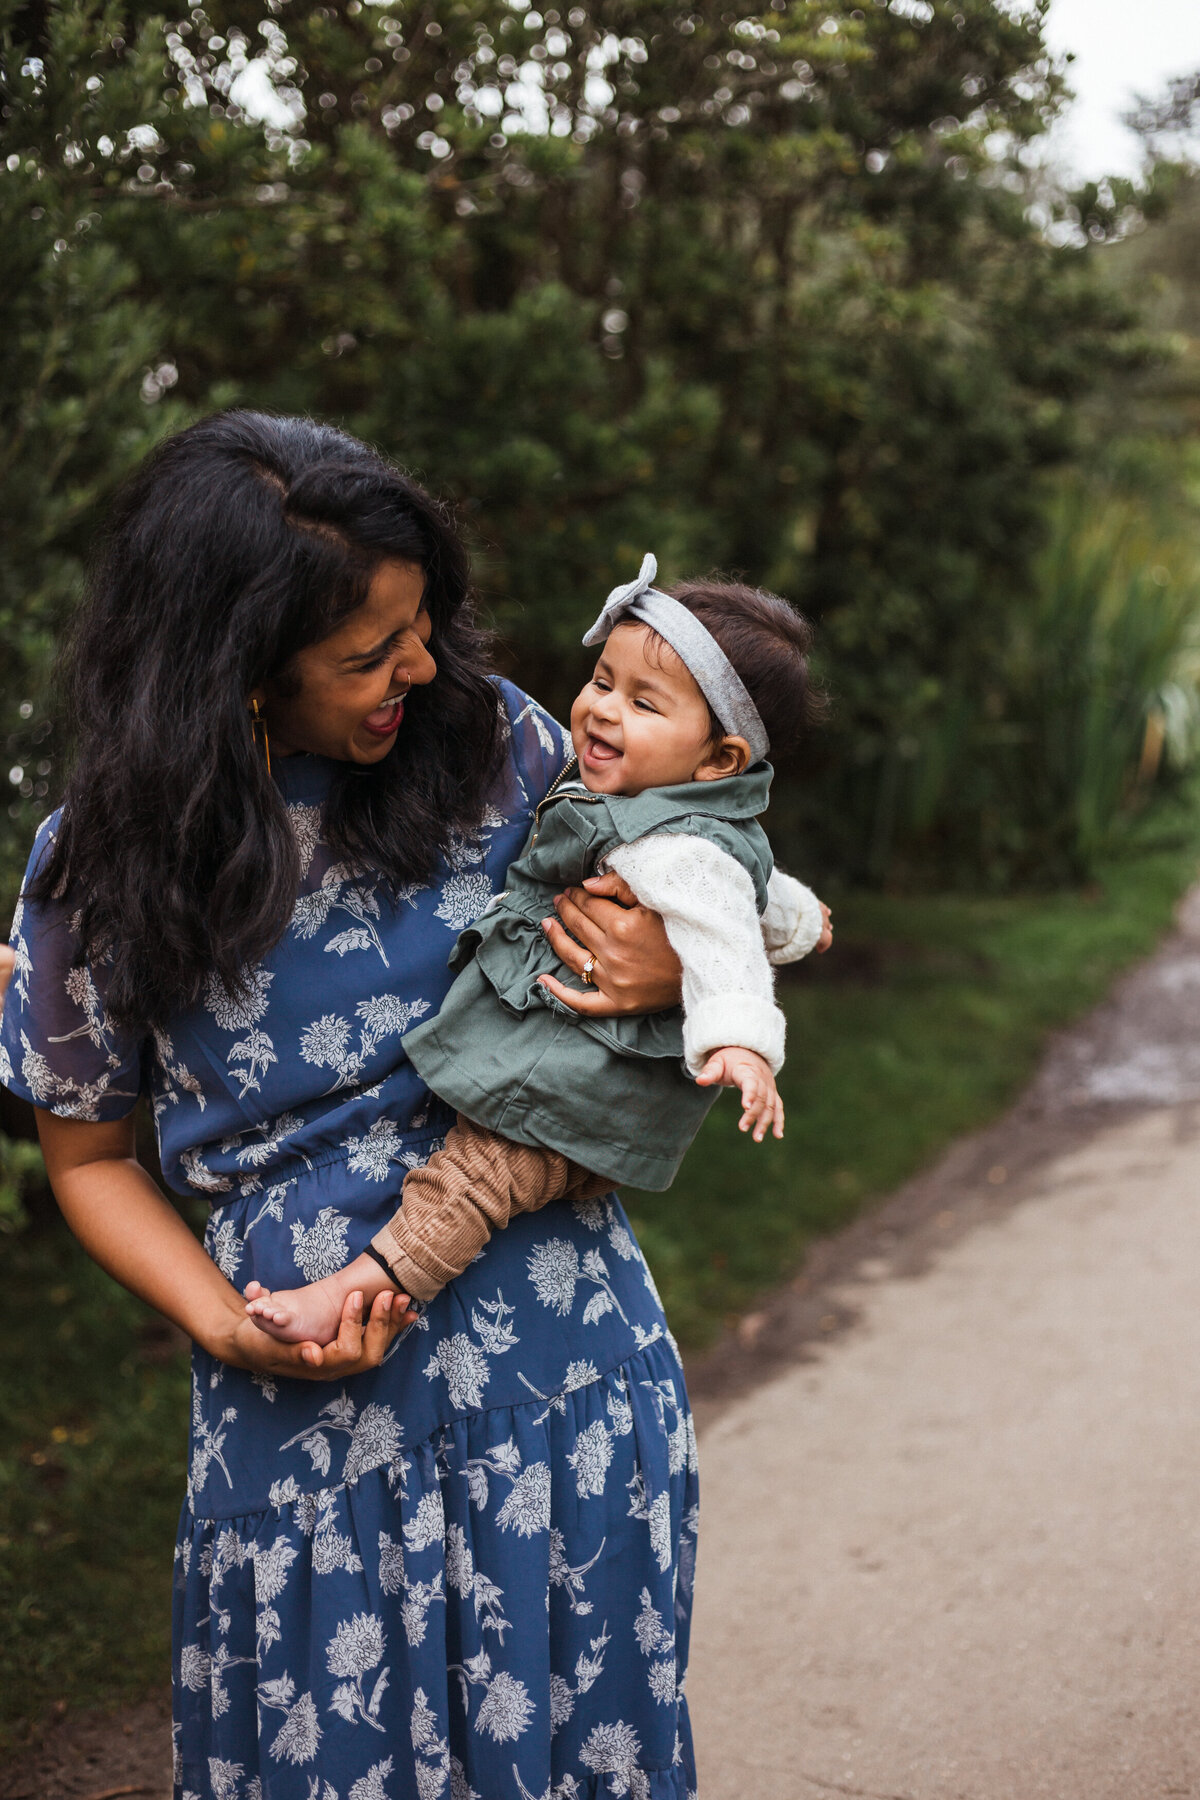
pixel 357 1347
pixel 126 1224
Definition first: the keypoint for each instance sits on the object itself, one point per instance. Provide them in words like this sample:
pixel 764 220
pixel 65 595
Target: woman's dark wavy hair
pixel 237 543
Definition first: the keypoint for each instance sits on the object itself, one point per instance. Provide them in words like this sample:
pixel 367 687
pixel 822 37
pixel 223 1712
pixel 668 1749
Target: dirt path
pixel 954 1554
pixel 106 1755
pixel 951 1549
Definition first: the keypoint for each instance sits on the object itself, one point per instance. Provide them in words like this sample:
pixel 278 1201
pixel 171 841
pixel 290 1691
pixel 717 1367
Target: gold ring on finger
pixel 587 971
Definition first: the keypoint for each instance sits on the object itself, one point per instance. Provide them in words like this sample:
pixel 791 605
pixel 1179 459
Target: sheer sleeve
pixel 541 746
pixel 58 1048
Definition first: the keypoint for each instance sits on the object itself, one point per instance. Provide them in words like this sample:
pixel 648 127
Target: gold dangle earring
pixel 257 724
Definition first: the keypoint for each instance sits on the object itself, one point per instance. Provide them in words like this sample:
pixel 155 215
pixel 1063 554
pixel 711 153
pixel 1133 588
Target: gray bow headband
pixel 697 648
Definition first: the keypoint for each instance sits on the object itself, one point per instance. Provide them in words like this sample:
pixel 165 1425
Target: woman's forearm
pixel 130 1228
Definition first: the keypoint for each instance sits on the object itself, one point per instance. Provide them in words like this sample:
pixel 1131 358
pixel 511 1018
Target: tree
pixel 755 288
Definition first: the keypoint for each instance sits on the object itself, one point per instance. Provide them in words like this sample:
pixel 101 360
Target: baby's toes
pixel 271 1323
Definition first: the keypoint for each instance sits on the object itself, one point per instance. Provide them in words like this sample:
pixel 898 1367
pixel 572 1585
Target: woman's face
pixel 344 697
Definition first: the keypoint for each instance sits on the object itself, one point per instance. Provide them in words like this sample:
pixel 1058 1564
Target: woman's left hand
pixel 633 967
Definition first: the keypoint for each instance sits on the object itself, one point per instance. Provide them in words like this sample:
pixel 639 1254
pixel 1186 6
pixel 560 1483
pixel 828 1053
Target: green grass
pixel 93 1433
pixel 940 1022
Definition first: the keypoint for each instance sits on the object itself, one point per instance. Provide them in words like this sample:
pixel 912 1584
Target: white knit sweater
pixel 707 904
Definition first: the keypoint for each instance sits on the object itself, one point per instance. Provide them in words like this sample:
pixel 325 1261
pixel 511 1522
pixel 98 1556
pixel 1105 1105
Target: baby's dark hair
pixel 768 642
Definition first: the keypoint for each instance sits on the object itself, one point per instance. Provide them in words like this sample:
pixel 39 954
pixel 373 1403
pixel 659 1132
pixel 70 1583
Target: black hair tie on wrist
pixel 385 1265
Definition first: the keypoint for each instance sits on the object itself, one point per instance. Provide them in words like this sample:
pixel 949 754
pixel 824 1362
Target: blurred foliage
pixel 1085 704
pixel 763 289
pixel 20 1168
pixel 92 1461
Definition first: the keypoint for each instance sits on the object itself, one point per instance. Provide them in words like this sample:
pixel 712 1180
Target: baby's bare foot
pixel 297 1315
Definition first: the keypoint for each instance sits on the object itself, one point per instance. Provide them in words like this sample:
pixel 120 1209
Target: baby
pixel 670 735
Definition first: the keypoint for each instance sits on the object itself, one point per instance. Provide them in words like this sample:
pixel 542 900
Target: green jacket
pixel 612 1094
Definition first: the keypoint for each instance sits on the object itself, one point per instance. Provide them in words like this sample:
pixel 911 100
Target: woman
pixel 456 1562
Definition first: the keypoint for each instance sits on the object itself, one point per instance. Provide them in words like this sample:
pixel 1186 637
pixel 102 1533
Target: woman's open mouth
pixel 386 718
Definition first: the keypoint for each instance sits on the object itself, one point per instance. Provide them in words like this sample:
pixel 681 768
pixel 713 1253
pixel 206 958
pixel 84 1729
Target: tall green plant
pixel 1109 646
pixel 1034 766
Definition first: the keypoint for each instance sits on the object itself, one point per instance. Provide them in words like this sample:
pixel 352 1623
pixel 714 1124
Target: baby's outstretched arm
pixel 762 1108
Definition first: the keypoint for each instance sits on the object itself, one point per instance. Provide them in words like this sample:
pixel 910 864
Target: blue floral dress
pixel 465 1575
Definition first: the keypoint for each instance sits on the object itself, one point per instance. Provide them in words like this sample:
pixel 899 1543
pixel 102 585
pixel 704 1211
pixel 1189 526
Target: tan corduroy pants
pixel 470 1188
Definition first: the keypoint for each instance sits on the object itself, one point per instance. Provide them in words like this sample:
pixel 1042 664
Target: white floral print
pixel 305 822
pixel 589 1666
pixel 613 1750
pixel 375 1439
pixel 564 1576
pixel 656 1642
pixel 225 1246
pixel 376 1150
pixel 251 1057
pixel 299 1736
pixel 428 1524
pixel 355 1649
pixel 464 1578
pixel 505 1709
pixel 431 1754
pixel 464 898
pixel 556 1269
pixel 464 1367
pixel 320 1249
pixel 590 1458
pixel 326 1042
pixel 342 891
pixel 526 1507
pixel 177 1078
pixel 370 1786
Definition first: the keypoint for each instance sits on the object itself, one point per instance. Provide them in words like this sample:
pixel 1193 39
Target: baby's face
pixel 641 721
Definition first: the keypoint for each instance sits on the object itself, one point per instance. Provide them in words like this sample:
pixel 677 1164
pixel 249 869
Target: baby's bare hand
pixel 762 1109
pixel 826 938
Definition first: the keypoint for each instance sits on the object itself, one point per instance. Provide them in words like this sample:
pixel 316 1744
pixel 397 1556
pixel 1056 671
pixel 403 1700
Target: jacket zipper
pixel 550 793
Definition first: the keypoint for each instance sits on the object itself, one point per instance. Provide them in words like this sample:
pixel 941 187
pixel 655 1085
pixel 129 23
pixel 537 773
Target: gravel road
pixel 951 1549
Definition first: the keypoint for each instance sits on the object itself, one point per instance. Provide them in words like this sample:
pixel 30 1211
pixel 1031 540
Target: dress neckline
pixel 304 776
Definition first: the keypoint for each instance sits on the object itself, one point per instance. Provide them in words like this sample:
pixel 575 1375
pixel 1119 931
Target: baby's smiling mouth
pixel 597 751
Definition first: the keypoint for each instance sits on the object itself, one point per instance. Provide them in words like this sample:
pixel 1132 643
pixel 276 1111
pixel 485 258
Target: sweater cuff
pixel 733 1019
pixel 806 932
